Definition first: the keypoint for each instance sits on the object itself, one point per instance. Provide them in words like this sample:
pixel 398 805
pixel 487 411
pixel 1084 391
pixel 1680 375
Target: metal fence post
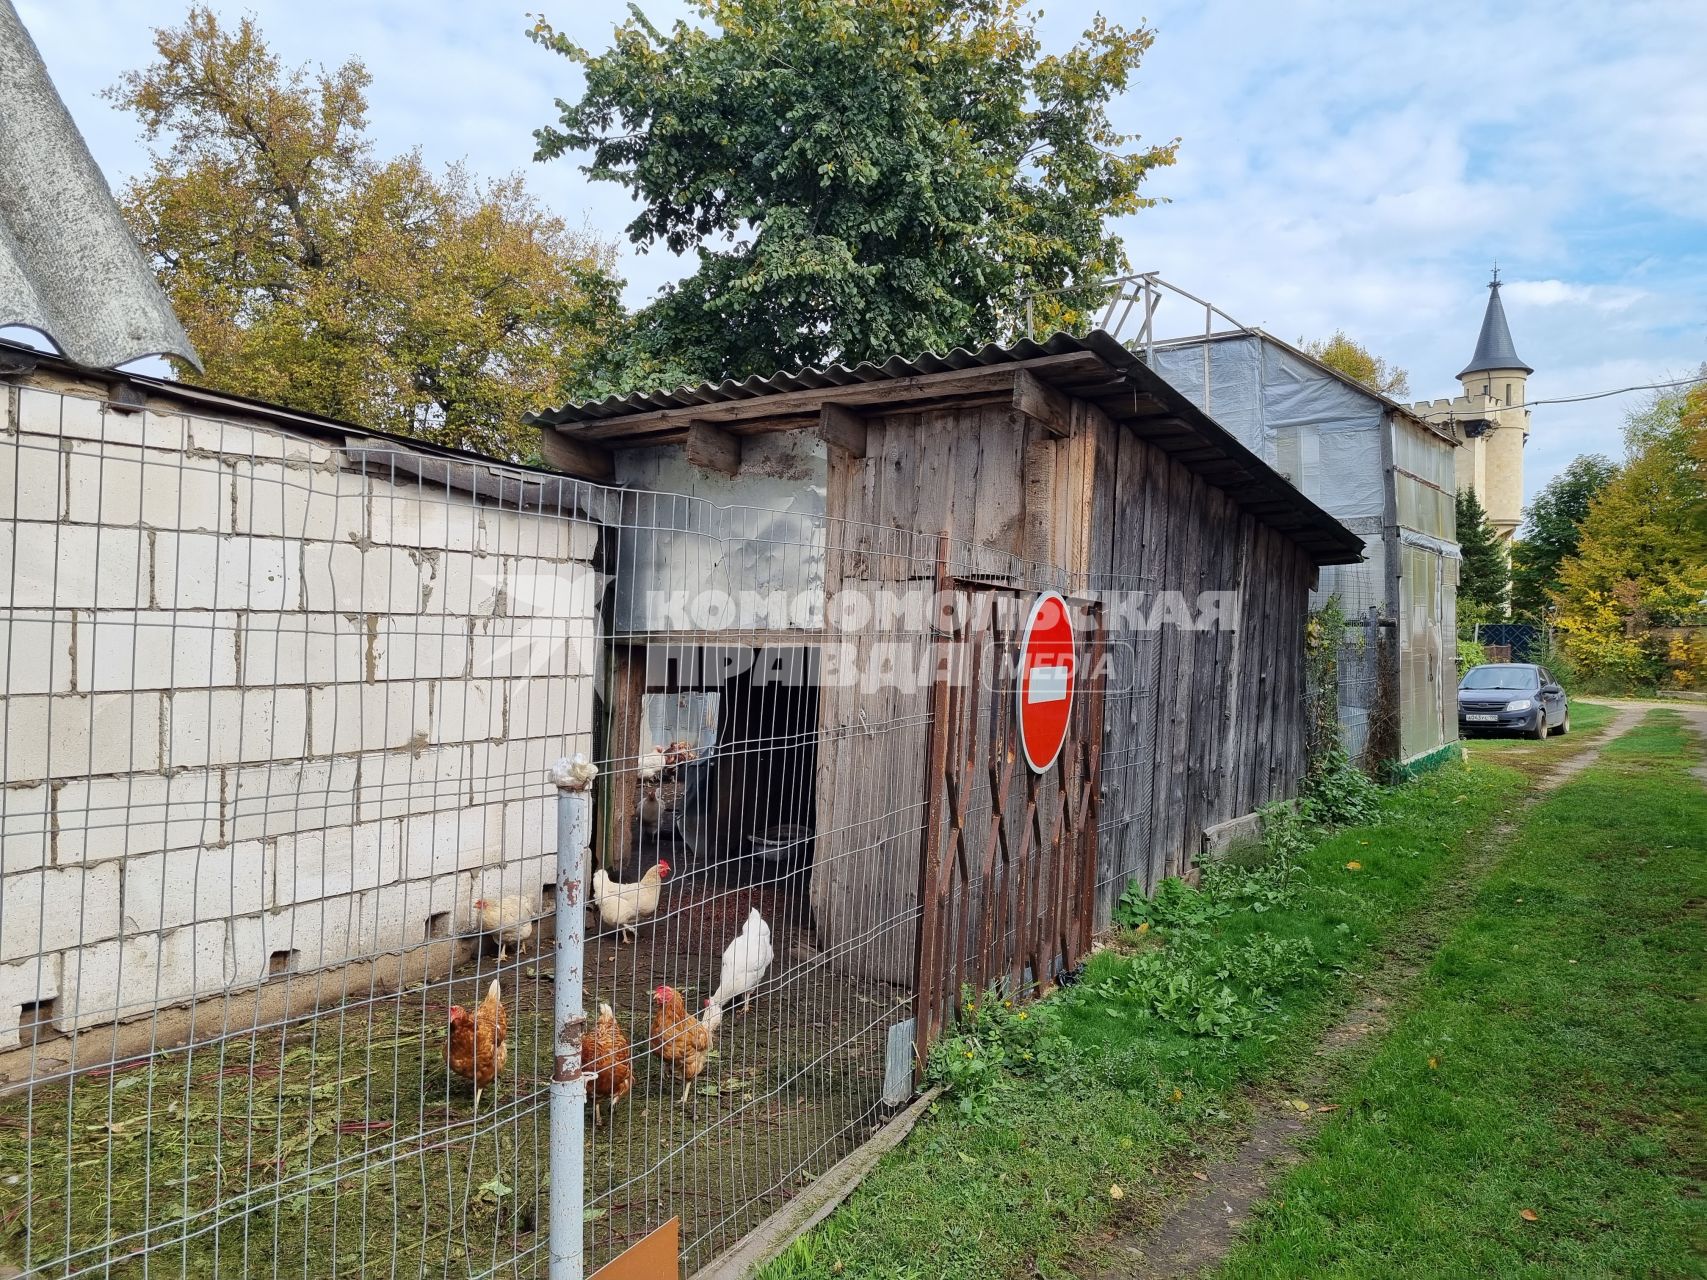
pixel 573 779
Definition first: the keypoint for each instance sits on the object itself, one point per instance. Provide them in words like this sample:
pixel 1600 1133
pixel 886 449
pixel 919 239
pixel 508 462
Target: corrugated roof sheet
pixel 1106 374
pixel 1494 348
pixel 68 265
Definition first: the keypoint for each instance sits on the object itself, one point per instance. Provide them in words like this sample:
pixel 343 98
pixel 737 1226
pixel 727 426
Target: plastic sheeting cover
pixel 1320 433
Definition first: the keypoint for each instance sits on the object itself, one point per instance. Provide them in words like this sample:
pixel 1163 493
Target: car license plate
pixel 1479 718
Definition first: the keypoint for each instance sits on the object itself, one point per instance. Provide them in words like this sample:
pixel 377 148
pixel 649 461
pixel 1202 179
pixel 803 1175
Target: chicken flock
pixel 476 1046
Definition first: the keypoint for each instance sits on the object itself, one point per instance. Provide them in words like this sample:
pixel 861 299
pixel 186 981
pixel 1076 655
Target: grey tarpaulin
pixel 68 265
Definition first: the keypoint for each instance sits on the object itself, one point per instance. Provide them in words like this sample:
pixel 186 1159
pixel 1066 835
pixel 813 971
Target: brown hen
pixel 681 1039
pixel 477 1045
pixel 606 1062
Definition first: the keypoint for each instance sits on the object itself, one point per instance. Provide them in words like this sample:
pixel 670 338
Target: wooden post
pixel 926 979
pixel 712 448
pixel 842 428
pixel 576 457
pixel 1043 404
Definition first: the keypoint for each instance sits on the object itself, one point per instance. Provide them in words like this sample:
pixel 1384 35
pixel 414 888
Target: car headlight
pixel 1520 704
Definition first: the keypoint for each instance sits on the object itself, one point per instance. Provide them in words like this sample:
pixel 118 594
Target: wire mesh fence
pixel 281 847
pixel 278 713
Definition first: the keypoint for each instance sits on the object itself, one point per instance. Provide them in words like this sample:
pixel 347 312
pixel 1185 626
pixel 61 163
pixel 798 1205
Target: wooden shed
pixel 1064 465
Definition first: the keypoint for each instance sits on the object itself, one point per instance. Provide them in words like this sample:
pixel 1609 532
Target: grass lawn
pixel 1078 1108
pixel 1550 1064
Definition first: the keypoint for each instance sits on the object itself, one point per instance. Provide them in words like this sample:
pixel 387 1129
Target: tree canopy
pixel 1355 361
pixel 1641 562
pixel 856 180
pixel 311 274
pixel 1551 532
pixel 1484 575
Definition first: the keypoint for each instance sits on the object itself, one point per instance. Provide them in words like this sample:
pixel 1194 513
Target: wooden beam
pixel 712 448
pixel 577 457
pixel 855 395
pixel 842 428
pixel 1043 404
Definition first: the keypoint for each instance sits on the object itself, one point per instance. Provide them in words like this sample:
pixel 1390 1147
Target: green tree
pixel 1354 360
pixel 857 179
pixel 1484 576
pixel 309 273
pixel 1641 562
pixel 1551 531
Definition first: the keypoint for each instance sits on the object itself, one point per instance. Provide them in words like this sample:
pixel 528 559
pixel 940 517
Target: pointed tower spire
pixel 1494 349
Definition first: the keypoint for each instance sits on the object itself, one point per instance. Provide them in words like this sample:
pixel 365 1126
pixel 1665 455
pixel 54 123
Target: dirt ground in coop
pixel 340 1145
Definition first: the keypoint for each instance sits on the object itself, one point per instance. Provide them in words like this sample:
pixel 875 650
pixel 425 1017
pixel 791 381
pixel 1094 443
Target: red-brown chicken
pixel 607 1062
pixel 477 1045
pixel 681 1039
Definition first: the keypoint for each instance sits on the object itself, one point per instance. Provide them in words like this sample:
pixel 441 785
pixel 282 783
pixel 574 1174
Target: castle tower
pixel 1491 417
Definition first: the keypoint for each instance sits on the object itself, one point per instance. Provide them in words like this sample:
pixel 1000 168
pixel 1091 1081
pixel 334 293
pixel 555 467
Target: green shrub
pixel 993 1039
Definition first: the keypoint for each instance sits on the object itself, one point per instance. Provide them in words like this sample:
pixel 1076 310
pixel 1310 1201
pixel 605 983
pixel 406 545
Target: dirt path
pixel 1210 1205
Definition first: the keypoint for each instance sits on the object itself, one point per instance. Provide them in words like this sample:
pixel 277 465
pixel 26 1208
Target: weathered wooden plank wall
pixel 1199 726
pixel 1211 725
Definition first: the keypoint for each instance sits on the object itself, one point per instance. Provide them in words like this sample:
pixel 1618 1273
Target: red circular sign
pixel 1048 669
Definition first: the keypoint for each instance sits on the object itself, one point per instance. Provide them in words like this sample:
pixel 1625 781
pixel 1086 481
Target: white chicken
pixel 650 765
pixel 510 917
pixel 620 905
pixel 651 807
pixel 745 962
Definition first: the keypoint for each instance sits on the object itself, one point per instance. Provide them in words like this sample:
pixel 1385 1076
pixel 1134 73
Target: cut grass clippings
pixel 1146 1056
pixel 1537 1112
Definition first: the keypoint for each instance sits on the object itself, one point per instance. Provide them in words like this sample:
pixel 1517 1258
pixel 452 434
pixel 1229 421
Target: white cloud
pixel 1339 168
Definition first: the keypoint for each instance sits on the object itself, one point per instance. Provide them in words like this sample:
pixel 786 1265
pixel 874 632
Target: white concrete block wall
pixel 264 711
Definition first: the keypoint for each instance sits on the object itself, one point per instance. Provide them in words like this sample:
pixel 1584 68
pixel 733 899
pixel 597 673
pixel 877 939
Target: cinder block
pixel 36 651
pixel 514 768
pixel 48 566
pixel 420 647
pixel 403 914
pixel 323 933
pixel 530 827
pixel 423 515
pixel 235 440
pixel 27 982
pixel 528 534
pixel 395 783
pixel 336 861
pixel 543 589
pixel 297 795
pixel 132 977
pixel 52 413
pixel 546 708
pixel 279 500
pixel 100 818
pixel 75 735
pixel 236 726
pixel 467 711
pixel 116 485
pixel 304 648
pixel 370 717
pixel 466 585
pixel 247 951
pixel 52 908
pixel 189 886
pixel 339 577
pixel 32 480
pixel 529 646
pixel 160 649
pixel 26 828
pixel 442 843
pixel 201 571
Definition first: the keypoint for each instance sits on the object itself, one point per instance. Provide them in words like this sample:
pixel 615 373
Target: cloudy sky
pixel 1341 166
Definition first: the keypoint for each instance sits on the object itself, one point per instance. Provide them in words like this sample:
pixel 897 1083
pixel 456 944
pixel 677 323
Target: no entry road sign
pixel 1048 670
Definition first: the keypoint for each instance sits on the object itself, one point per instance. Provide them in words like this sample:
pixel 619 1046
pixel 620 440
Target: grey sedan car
pixel 1512 697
